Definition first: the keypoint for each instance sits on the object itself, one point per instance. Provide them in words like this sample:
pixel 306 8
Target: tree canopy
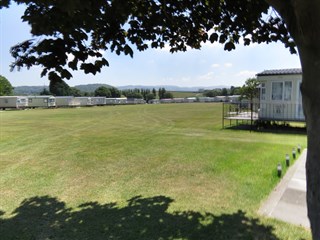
pixel 102 92
pixel 250 89
pixel 72 35
pixel 6 88
pixel 45 92
pixel 60 88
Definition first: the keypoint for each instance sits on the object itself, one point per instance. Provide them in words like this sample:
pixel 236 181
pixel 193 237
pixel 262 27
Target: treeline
pixel 109 92
pixel 222 92
pixel 147 94
pixel 63 89
pixel 164 94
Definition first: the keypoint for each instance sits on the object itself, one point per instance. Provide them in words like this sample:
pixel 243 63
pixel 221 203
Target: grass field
pixel 137 172
pixel 186 94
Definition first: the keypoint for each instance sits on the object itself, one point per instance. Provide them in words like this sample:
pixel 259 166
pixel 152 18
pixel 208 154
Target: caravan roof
pixel 290 71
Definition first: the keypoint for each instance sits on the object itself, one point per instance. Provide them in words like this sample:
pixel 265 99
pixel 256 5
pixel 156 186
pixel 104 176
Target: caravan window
pixel 282 91
pixel 287 91
pixel 263 91
pixel 30 100
pixel 277 89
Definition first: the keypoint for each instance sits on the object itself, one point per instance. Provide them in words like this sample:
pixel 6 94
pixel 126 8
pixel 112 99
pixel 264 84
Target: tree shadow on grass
pixel 142 218
pixel 278 129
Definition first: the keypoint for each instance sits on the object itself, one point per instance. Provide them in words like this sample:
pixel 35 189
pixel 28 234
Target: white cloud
pixel 215 65
pixel 225 65
pixel 207 76
pixel 246 74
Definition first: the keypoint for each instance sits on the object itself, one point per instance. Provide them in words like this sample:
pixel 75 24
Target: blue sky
pixel 210 66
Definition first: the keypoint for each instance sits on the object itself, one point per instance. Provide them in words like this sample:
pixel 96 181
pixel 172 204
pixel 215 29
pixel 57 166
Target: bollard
pixel 299 148
pixel 294 153
pixel 279 169
pixel 287 160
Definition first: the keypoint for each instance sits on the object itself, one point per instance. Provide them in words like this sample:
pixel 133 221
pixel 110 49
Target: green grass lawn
pixel 137 172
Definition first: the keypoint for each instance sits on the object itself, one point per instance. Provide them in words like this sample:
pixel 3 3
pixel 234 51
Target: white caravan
pixel 99 101
pixel 17 102
pixel 67 101
pixel 41 101
pixel 84 101
pixel 280 96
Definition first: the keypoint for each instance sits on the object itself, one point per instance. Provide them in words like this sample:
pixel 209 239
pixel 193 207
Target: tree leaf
pixel 229 46
pixel 213 37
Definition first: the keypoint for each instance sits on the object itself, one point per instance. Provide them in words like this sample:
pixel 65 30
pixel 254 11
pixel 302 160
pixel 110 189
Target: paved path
pixel 287 201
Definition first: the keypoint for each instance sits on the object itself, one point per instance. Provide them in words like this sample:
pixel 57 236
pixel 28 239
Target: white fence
pixel 264 111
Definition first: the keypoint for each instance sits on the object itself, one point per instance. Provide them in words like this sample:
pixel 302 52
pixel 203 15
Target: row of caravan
pixel 233 98
pixel 22 102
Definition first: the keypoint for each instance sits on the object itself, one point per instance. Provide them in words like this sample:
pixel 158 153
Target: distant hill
pixel 91 87
pixel 28 90
pixel 35 90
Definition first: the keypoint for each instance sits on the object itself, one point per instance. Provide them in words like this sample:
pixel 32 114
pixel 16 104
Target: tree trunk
pixel 307 34
pixel 303 21
pixel 313 169
pixel 310 88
